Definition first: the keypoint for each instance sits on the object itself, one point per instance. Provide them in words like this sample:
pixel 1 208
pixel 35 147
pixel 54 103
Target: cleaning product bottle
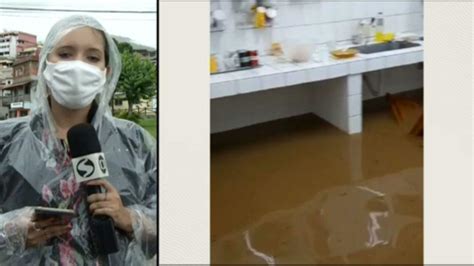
pixel 379 35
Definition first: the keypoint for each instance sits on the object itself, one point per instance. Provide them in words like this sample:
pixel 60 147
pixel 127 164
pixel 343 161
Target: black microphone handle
pixel 94 190
pixel 102 226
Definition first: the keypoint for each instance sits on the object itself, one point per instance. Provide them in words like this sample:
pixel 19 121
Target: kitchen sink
pixel 383 47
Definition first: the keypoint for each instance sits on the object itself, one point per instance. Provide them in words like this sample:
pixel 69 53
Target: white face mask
pixel 74 84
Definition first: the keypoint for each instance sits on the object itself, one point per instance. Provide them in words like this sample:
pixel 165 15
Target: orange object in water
pixel 396 104
pixel 417 129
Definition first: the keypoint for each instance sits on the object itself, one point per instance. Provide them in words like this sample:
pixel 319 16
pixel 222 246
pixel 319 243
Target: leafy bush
pixel 135 117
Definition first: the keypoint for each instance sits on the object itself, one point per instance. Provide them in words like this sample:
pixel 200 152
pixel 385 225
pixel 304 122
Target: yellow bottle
pixel 214 66
pixel 260 18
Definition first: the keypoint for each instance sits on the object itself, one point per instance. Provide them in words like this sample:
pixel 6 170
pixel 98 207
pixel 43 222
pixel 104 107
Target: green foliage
pixel 134 116
pixel 124 47
pixel 138 78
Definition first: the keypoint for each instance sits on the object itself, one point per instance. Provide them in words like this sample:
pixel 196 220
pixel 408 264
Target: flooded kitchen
pixel 317 132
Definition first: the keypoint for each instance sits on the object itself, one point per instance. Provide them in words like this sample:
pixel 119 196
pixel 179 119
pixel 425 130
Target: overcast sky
pixel 139 27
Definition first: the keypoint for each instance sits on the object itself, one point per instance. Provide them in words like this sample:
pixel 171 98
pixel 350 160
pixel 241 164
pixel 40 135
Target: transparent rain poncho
pixel 35 170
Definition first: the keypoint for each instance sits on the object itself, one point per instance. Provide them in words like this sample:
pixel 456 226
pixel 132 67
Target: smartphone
pixel 43 213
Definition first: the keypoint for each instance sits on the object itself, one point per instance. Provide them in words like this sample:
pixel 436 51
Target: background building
pixel 17 96
pixel 14 42
pixel 19 54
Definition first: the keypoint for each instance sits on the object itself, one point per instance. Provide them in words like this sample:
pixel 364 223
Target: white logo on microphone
pixel 90 167
pixel 85 168
pixel 102 166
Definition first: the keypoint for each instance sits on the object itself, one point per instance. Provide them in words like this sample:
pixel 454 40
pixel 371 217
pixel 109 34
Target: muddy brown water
pixel 299 190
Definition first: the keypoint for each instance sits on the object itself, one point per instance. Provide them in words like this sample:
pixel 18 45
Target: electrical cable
pixel 44 17
pixel 78 10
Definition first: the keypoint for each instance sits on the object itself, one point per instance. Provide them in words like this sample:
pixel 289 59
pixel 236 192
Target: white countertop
pixel 273 74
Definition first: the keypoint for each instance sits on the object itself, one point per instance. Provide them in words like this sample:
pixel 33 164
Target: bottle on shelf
pixel 214 64
pixel 260 17
pixel 379 28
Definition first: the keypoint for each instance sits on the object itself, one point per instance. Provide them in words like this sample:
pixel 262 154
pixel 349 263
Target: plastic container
pixel 298 51
pixel 358 37
pixel 322 53
pixel 379 28
pixel 326 51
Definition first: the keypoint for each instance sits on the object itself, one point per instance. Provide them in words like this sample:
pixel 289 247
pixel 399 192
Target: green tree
pixel 123 47
pixel 138 78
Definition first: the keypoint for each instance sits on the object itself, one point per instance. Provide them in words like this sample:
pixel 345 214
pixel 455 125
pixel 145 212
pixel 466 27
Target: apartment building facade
pixel 14 42
pixel 17 96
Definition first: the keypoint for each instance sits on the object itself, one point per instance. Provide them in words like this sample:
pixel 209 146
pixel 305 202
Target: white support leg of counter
pixel 340 103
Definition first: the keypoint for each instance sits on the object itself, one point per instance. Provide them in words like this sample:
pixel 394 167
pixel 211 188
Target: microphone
pixel 88 163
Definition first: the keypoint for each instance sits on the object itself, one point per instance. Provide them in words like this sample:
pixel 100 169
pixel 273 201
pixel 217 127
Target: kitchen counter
pixel 273 74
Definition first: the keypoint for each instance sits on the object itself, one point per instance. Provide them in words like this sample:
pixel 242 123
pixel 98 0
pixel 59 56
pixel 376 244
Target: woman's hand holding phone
pixel 40 231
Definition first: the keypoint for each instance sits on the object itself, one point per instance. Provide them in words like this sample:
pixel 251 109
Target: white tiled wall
pixel 316 21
